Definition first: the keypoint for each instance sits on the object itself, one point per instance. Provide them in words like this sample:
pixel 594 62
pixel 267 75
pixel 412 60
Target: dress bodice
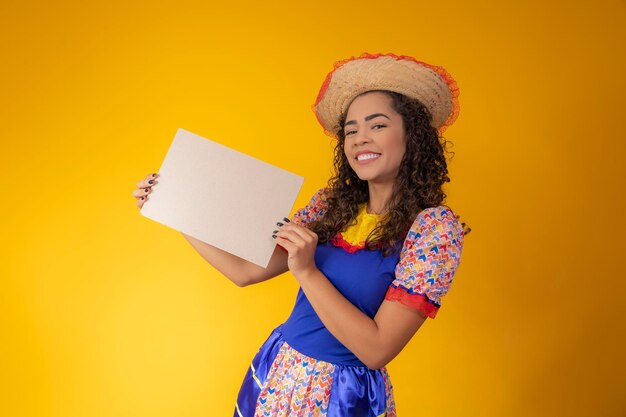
pixel 419 274
pixel 362 276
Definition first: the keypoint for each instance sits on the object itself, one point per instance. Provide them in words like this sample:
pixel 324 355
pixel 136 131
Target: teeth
pixel 368 156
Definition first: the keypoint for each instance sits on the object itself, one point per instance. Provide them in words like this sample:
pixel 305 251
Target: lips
pixel 368 160
pixel 364 152
pixel 368 157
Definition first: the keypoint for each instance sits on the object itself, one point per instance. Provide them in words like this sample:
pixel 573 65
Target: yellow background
pixel 107 313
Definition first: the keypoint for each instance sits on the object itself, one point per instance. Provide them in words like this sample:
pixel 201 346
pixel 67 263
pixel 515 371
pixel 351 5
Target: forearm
pixel 232 267
pixel 353 328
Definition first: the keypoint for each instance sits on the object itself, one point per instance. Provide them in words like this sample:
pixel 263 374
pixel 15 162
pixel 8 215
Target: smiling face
pixel 373 128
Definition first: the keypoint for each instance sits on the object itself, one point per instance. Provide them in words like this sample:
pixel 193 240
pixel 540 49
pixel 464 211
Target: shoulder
pixel 438 224
pixel 314 209
pixel 319 200
pixel 321 195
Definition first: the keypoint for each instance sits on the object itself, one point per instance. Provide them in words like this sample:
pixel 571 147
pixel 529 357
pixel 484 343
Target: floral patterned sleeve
pixel 314 210
pixel 429 259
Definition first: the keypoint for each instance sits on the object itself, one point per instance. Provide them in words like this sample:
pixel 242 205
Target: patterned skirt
pixel 283 382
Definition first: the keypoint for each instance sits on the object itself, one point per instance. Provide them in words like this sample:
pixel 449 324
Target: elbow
pixel 241 283
pixel 246 281
pixel 375 361
pixel 374 356
pixel 377 364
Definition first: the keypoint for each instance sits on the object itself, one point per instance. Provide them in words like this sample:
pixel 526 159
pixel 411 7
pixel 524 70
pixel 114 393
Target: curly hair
pixel 418 186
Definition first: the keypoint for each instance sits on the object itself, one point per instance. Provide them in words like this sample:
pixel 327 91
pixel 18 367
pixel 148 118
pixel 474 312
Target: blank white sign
pixel 221 196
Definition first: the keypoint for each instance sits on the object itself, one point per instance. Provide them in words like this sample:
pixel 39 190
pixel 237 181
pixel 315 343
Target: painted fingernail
pixel 147 189
pixel 275 231
pixel 274 236
pixel 151 182
pixel 287 220
pixel 142 198
pixel 279 223
pixel 154 174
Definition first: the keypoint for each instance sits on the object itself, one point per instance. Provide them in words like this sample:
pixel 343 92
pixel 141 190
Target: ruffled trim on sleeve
pixel 417 301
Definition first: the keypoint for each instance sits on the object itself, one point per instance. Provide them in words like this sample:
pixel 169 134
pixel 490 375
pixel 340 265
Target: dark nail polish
pixel 151 182
pixel 153 174
pixel 279 223
pixel 287 220
pixel 274 236
pixel 275 231
pixel 147 189
pixel 142 198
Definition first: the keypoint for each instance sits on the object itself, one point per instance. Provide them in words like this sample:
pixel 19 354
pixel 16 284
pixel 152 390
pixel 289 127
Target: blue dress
pixel 302 369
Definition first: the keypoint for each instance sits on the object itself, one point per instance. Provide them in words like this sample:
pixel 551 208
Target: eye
pixel 379 125
pixel 350 131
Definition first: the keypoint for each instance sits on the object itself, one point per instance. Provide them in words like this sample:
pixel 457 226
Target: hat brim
pixel 431 85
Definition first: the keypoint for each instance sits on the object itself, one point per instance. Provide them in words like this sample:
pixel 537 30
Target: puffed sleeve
pixel 314 210
pixel 429 259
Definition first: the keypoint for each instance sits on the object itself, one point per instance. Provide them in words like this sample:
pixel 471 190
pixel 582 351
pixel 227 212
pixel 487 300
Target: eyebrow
pixel 367 118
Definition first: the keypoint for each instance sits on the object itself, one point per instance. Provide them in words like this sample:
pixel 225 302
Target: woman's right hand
pixel 144 187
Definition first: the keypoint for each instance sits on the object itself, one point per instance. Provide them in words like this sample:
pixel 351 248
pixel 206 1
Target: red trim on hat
pixel 452 85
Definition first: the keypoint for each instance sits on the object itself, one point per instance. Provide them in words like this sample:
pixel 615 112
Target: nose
pixel 360 137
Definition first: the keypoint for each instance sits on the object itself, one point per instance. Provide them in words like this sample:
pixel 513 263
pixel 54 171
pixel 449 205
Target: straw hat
pixel 431 85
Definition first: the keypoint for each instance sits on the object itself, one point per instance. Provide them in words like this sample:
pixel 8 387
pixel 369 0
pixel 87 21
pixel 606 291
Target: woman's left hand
pixel 300 243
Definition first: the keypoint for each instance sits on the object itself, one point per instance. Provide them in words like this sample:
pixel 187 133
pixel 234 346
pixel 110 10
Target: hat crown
pixel 431 85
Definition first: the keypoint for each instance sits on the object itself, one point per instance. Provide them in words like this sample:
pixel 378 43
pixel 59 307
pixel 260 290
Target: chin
pixel 360 175
pixel 365 177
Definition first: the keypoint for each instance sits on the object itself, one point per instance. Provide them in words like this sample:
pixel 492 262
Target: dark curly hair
pixel 421 175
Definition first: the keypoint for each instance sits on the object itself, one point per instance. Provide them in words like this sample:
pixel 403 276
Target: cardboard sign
pixel 222 197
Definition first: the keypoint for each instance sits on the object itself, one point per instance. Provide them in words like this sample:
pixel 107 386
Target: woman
pixel 374 251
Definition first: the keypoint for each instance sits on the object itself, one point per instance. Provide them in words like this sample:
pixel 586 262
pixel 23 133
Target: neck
pixel 380 195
